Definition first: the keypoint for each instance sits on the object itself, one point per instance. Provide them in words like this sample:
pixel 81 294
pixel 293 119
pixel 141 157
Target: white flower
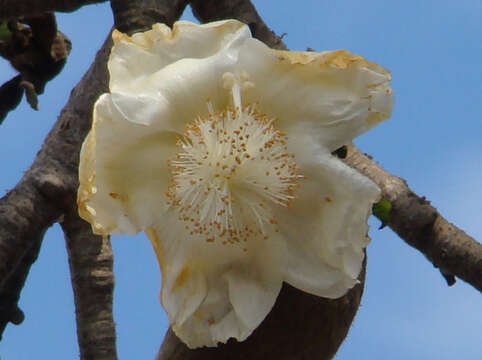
pixel 219 148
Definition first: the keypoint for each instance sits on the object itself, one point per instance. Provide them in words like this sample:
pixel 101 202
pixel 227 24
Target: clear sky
pixel 434 51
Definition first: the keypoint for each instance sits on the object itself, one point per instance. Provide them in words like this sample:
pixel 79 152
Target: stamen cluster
pixel 233 168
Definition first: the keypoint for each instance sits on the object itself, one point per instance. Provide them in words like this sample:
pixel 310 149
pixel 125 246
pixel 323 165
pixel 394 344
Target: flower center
pixel 233 168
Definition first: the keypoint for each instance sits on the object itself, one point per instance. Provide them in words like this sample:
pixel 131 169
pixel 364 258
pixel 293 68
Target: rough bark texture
pixel 10 293
pixel 242 10
pixel 421 226
pixel 139 15
pixel 48 188
pixel 25 213
pixel 300 326
pixel 16 8
pixel 91 261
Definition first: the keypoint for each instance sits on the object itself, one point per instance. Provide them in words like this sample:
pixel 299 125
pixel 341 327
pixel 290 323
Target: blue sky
pixel 434 51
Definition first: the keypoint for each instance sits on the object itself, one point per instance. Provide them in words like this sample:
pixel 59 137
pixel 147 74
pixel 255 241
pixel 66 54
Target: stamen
pixel 232 170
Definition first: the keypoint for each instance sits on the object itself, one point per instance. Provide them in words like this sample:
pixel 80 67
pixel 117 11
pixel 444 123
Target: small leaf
pixel 382 210
pixel 5 33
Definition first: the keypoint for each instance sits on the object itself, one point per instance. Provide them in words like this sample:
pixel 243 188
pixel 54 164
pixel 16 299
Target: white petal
pixel 213 323
pixel 334 202
pixel 178 93
pixel 162 80
pixel 253 292
pixel 143 54
pixel 165 78
pixel 334 94
pixel 212 292
pixel 185 295
pixel 123 172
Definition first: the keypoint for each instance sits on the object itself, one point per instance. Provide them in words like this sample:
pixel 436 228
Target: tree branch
pixel 10 293
pixel 242 10
pixel 48 188
pixel 16 8
pixel 421 226
pixel 91 261
pixel 132 16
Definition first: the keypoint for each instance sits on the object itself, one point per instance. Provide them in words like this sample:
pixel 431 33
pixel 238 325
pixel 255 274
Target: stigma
pixel 232 169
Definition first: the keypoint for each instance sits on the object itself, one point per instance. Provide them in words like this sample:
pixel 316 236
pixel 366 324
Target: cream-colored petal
pixel 187 290
pixel 135 57
pixel 123 172
pixel 253 291
pixel 177 94
pixel 334 202
pixel 212 292
pixel 164 79
pixel 334 94
pixel 213 323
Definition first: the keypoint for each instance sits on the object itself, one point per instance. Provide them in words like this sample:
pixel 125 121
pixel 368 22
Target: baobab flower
pixel 219 149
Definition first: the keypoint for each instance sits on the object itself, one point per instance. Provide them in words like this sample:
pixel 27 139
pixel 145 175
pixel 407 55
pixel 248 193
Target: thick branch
pixel 90 260
pixel 48 188
pixel 270 340
pixel 16 8
pixel 131 16
pixel 24 216
pixel 421 226
pixel 242 10
pixel 10 293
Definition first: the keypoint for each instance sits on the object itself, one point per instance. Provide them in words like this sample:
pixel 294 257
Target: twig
pixel 10 293
pixel 420 225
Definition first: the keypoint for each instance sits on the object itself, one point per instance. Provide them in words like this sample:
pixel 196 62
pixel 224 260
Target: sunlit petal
pixel 219 148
